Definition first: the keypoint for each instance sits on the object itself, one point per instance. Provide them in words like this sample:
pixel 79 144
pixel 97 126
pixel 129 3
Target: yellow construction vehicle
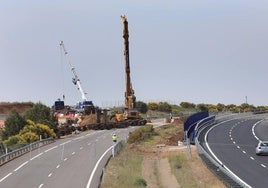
pixel 130 112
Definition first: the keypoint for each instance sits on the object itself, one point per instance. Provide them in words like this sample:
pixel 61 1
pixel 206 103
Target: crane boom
pixel 130 99
pixel 75 80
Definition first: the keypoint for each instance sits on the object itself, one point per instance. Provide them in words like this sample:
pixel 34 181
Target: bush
pixel 176 161
pixel 30 137
pixel 140 182
pixel 141 134
pixel 38 129
pixel 13 140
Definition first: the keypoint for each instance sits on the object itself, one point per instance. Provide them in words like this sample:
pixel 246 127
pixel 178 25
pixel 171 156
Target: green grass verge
pixel 124 171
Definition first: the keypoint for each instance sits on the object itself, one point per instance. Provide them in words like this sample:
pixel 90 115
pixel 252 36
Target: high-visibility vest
pixel 114 137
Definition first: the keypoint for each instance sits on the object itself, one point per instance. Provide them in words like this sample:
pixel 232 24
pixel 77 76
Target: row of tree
pixel 186 106
pixel 27 128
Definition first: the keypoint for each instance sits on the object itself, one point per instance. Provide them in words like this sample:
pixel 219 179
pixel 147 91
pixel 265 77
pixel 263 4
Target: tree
pixel 153 106
pixel 142 107
pixel 187 105
pixel 13 124
pixel 41 114
pixel 164 107
pixel 202 107
pixel 220 107
pixel 37 128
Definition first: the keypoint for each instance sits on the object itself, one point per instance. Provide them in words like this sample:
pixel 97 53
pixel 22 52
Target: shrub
pixel 141 134
pixel 140 182
pixel 30 137
pixel 38 129
pixel 13 140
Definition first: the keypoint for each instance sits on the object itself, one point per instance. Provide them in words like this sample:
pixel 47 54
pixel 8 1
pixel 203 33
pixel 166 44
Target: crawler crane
pixel 86 106
pixel 130 99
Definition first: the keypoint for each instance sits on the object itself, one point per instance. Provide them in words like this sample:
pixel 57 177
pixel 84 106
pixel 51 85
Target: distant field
pixel 6 107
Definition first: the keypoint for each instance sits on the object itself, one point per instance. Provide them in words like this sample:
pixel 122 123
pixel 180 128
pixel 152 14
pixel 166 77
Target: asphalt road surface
pixel 233 142
pixel 66 163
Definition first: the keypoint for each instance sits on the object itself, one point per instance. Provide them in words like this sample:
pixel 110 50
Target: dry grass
pixel 141 162
pixel 123 170
pixel 191 172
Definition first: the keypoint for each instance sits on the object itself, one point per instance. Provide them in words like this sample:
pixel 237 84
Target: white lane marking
pixel 65 159
pixel 263 165
pixel 96 166
pixel 253 129
pixel 21 166
pixel 252 158
pixel 238 147
pixel 58 166
pixel 49 175
pixel 41 185
pixel 73 153
pixel 233 142
pixel 81 148
pixel 206 135
pixel 78 138
pixel 244 151
pixel 5 177
pixel 37 156
pixel 65 142
pixel 51 149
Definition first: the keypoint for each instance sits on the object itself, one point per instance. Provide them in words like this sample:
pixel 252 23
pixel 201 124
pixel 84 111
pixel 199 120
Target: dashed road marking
pixel 21 166
pixel 5 177
pixel 41 185
pixel 49 175
pixel 252 158
pixel 37 156
pixel 51 149
pixel 81 148
pixel 263 165
pixel 58 166
pixel 244 151
pixel 73 153
pixel 65 142
pixel 65 159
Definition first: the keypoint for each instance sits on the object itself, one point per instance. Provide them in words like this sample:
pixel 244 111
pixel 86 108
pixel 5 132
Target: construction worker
pixel 114 137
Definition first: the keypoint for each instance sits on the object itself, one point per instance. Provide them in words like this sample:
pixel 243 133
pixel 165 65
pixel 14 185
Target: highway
pixel 232 142
pixel 67 162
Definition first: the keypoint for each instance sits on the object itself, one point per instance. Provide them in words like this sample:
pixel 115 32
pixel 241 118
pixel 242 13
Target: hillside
pixel 20 107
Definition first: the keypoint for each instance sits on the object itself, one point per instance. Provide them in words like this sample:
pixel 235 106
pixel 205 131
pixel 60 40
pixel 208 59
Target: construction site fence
pixel 19 152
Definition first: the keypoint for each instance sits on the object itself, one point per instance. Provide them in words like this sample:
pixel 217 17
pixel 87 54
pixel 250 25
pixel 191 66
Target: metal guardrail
pixel 230 179
pixel 98 172
pixel 19 152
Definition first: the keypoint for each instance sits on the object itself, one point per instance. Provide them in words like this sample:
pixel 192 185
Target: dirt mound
pixel 6 107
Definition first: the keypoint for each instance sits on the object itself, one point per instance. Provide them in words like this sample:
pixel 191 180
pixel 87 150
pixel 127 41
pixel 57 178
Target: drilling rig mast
pixel 130 98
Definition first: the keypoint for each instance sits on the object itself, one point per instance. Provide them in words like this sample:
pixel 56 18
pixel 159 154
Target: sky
pixel 198 51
